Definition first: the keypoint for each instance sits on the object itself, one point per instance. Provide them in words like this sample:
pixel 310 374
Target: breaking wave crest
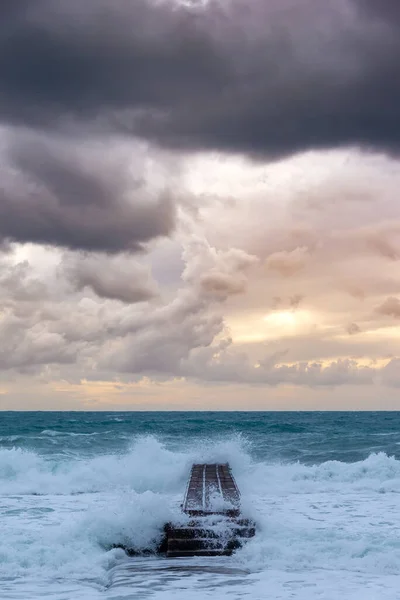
pixel 306 515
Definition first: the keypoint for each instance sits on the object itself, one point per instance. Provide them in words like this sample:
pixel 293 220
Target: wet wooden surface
pixel 211 490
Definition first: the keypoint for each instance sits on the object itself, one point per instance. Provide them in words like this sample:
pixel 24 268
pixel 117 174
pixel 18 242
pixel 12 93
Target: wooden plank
pixel 208 482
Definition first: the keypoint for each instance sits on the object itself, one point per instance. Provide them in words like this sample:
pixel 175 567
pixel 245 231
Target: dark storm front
pixel 307 437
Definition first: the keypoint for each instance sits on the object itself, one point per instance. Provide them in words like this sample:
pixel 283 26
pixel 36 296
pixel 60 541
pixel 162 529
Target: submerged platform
pixel 212 498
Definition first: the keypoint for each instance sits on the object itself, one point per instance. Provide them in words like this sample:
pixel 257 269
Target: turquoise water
pixel 308 437
pixel 323 488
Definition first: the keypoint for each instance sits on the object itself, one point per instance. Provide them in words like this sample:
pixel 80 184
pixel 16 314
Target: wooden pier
pixel 211 490
pixel 212 498
pixel 215 525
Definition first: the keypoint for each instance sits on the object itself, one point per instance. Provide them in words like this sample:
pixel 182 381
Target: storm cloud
pixel 66 193
pixel 265 78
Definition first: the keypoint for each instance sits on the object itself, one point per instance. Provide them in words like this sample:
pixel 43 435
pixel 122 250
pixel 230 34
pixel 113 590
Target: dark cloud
pixel 268 78
pixel 65 193
pixel 384 10
pixel 71 58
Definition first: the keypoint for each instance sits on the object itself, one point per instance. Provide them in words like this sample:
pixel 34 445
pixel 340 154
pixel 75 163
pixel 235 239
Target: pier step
pixel 201 546
pixel 208 533
pixel 189 554
pixel 205 540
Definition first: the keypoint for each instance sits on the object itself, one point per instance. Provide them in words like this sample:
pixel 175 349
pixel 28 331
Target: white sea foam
pixel 327 531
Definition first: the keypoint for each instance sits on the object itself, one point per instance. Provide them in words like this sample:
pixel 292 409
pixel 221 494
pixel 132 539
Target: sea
pixel 322 487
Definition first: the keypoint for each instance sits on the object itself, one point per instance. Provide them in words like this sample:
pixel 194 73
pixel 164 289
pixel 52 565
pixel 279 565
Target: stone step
pixel 188 553
pixel 208 532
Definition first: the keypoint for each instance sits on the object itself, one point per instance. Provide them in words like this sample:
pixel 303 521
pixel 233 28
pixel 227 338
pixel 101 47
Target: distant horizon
pixel 200 411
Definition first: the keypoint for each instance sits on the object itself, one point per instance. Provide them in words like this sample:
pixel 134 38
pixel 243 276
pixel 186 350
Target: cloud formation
pixel 115 278
pixel 25 329
pixel 52 329
pixel 390 307
pixel 66 193
pixel 270 78
pixel 107 318
pixel 353 329
pixel 288 276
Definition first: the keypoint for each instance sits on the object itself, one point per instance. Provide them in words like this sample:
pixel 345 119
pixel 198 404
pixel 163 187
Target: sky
pixel 199 205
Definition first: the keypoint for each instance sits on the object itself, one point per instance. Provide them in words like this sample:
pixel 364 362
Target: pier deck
pixel 216 527
pixel 211 490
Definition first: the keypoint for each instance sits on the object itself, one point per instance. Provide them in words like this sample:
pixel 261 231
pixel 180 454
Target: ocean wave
pixel 51 432
pixel 333 515
pixel 146 466
pixel 149 465
pixel 56 433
